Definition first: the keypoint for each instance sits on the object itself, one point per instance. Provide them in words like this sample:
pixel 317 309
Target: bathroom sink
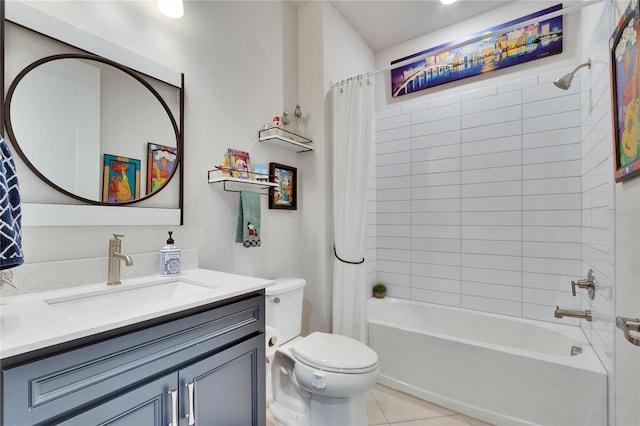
pixel 127 300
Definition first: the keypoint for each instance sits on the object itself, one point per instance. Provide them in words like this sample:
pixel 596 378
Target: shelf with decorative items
pixel 237 184
pixel 285 139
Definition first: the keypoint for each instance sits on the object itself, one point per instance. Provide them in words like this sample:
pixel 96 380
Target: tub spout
pixel 560 313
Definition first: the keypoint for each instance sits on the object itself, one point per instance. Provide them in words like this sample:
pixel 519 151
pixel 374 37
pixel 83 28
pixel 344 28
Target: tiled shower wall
pixel 598 214
pixel 478 198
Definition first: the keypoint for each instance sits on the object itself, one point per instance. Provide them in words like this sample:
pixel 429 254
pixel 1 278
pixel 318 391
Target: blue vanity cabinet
pixel 202 367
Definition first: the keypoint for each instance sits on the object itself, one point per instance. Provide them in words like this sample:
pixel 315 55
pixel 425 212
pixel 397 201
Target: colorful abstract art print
pixel 239 163
pixel 121 179
pixel 626 93
pixel 284 196
pixel 161 162
pixel 529 42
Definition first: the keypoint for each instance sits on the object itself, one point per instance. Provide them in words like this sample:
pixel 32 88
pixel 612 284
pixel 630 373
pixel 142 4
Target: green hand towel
pixel 248 229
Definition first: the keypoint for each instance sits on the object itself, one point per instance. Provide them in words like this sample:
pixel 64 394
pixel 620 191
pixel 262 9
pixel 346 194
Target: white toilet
pixel 319 379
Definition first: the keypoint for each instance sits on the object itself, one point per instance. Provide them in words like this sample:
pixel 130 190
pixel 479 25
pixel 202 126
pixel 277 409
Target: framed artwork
pixel 512 47
pixel 121 179
pixel 161 160
pixel 626 93
pixel 238 163
pixel 285 195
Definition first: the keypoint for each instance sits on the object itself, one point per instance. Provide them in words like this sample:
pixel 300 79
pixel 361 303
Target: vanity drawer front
pixel 43 389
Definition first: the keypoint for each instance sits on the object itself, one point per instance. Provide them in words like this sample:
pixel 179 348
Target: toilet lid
pixel 332 352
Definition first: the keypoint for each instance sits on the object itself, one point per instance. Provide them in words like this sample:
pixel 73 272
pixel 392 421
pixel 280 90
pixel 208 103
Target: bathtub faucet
pixel 559 313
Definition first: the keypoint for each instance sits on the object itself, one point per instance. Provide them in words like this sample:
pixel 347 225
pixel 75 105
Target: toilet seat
pixel 335 353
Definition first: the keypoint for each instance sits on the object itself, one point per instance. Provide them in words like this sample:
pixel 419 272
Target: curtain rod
pixel 501 31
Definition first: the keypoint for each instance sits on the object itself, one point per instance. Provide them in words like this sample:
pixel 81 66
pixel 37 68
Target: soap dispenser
pixel 170 258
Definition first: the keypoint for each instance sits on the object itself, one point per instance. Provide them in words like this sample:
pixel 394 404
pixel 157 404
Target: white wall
pixel 240 66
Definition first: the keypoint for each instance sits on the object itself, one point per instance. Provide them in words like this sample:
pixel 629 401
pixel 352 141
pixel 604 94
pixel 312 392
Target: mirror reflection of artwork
pixel 161 160
pixel 121 179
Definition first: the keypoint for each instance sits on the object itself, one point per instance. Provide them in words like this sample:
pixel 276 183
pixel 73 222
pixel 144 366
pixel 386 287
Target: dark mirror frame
pixel 5 107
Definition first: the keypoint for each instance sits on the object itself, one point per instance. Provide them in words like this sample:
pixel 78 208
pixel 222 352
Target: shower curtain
pixel 353 131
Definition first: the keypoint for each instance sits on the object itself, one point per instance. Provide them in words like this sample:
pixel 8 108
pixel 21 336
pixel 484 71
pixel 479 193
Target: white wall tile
pixel 394 158
pixel 551 170
pixel 394 254
pixel 491 189
pixel 393 182
pixel 437 297
pixel 435 179
pixel 545 107
pixel 436 166
pixel 492 117
pixel 552 218
pixel 552 233
pixel 436 113
pixel 437 139
pixel 436 127
pixel 551 266
pixel 393 219
pixel 393 134
pixel 436 271
pixel 447 205
pixel 557 153
pixel 393 194
pixel 569 185
pixel 512 219
pixel 510 128
pixel 435 192
pixel 435 218
pixel 445 100
pixel 545 123
pixel 507 143
pixel 550 298
pixel 489 261
pixel 496 174
pixel 393 146
pixel 393 231
pixel 505 307
pixel 393 122
pixel 513 248
pixel 552 202
pixel 393 206
pixel 393 267
pixel 485 161
pixel 486 204
pixel 546 281
pixel 503 233
pixel 439 244
pixel 435 231
pixel 518 85
pixel 479 93
pixel 435 257
pixel 435 284
pixel 562 136
pixel 492 276
pixel 494 291
pixel 555 250
pixel 392 242
pixel 436 153
pixel 494 102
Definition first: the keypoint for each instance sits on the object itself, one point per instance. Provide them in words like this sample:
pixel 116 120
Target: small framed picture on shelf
pixel 239 163
pixel 285 195
pixel 260 172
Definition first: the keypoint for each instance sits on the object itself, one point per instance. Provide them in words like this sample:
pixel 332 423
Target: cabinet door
pixel 227 388
pixel 148 404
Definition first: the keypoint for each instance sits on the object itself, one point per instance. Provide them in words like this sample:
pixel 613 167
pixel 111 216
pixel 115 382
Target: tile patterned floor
pixel 388 407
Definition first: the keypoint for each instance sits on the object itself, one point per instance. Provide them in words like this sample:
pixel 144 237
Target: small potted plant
pixel 379 290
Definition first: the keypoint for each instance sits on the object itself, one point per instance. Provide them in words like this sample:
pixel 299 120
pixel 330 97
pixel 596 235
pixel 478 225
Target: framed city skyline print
pixel 437 65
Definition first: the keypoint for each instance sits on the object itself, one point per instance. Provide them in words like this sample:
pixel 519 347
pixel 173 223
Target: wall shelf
pixel 232 184
pixel 285 139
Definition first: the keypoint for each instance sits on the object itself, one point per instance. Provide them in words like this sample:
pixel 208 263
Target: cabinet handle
pixel 191 413
pixel 174 407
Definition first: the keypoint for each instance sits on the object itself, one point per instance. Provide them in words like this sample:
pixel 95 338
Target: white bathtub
pixel 503 370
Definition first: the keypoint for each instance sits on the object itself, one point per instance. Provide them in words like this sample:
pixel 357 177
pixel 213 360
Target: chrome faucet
pixel 113 275
pixel 559 313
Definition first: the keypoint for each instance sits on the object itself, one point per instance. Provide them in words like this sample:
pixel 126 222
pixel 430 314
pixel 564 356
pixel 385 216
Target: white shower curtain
pixel 353 130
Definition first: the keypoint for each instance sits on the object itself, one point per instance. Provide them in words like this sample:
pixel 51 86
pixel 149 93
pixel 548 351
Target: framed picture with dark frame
pixel 161 160
pixel 285 195
pixel 625 91
pixel 121 179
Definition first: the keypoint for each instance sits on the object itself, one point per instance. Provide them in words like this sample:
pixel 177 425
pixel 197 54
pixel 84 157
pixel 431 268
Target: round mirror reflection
pixel 92 129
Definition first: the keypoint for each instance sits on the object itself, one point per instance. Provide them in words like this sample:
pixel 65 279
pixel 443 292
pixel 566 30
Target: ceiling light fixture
pixel 171 8
pixel 447 2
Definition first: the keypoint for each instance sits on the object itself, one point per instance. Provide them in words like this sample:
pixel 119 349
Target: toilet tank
pixel 284 306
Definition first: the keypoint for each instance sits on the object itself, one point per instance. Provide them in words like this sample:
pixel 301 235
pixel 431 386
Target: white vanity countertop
pixel 38 320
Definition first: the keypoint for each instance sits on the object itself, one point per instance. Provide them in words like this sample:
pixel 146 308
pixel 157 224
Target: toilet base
pixel 323 411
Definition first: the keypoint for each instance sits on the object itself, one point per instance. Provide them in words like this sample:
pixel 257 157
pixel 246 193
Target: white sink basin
pixel 129 299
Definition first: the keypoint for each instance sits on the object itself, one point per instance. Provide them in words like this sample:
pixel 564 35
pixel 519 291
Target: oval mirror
pixel 93 129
